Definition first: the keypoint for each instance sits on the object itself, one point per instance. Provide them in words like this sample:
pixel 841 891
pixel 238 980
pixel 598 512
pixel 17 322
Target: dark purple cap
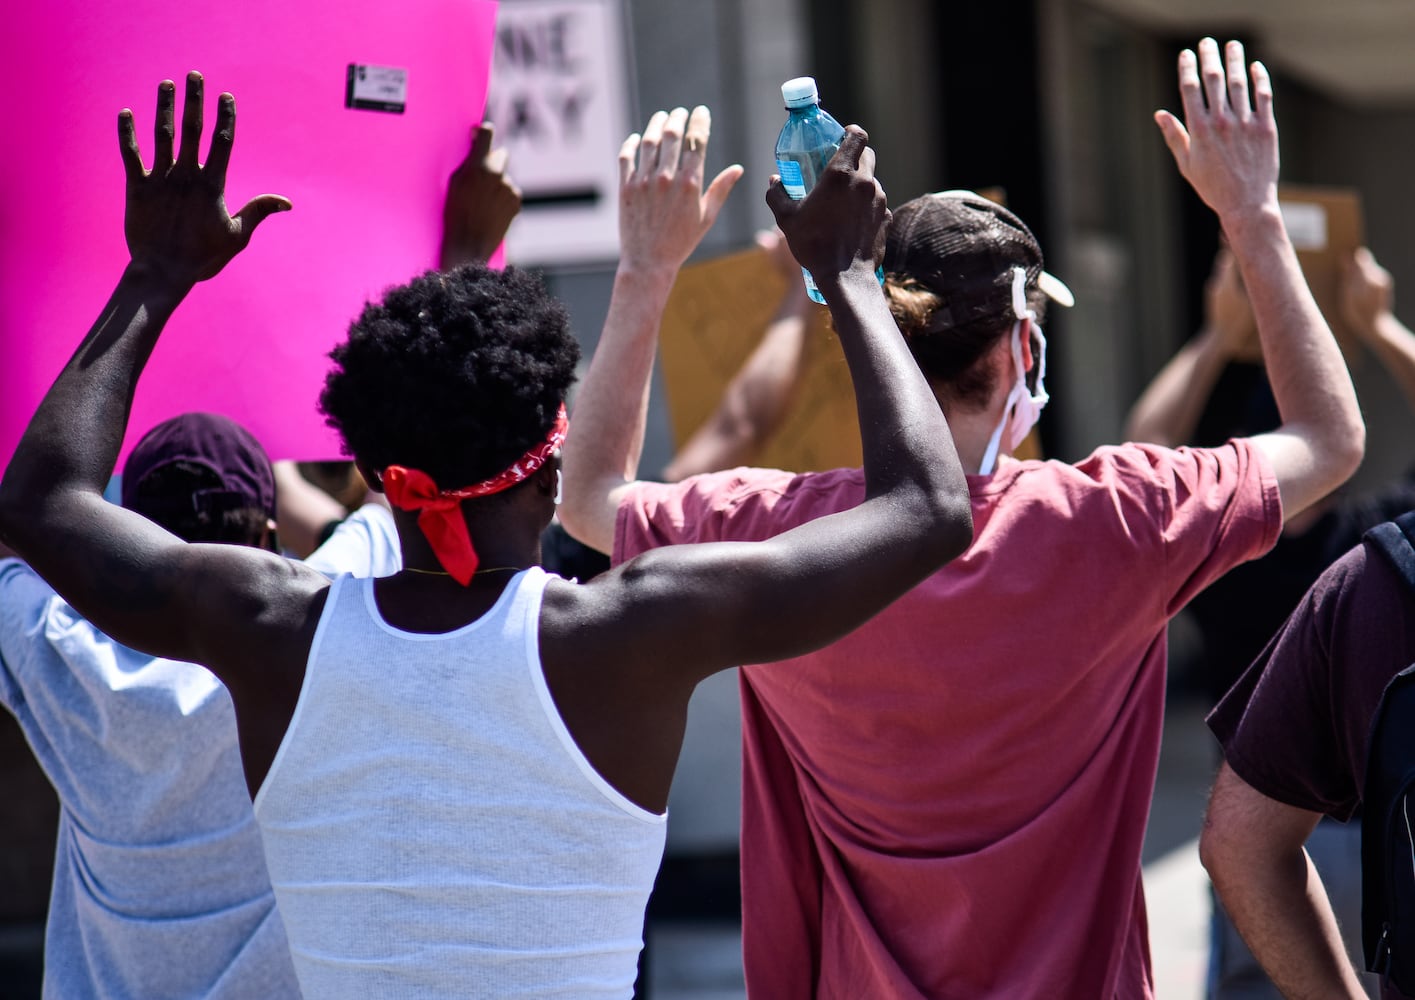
pixel 208 439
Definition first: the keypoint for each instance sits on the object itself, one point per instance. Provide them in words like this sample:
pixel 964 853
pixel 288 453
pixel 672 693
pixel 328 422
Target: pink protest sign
pixel 367 187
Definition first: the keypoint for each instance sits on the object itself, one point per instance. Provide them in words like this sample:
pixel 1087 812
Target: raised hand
pixel 176 222
pixel 1367 293
pixel 842 221
pixel 481 203
pixel 663 211
pixel 1227 312
pixel 1227 150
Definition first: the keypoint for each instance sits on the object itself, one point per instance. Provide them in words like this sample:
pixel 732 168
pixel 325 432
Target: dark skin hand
pixel 481 203
pixel 136 582
pixel 614 652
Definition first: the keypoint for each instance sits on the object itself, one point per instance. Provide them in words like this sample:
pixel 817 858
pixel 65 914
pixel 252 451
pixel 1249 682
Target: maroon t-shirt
pixel 1295 725
pixel 951 800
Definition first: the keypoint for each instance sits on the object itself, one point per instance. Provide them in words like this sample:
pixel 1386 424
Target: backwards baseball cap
pixel 206 439
pixel 963 247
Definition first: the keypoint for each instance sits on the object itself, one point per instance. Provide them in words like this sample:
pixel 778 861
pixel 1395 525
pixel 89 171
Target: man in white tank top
pixel 461 770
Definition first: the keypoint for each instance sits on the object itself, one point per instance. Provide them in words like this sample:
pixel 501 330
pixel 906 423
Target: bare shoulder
pixel 252 604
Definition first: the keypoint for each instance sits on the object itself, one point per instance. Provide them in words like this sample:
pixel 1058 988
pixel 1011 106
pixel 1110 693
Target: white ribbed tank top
pixel 430 826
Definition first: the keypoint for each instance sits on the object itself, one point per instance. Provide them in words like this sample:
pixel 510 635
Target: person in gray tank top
pixel 456 753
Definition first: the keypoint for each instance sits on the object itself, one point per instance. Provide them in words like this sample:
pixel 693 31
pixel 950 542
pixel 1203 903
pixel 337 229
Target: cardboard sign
pixel 715 317
pixel 714 320
pixel 367 185
pixel 1325 225
pixel 559 100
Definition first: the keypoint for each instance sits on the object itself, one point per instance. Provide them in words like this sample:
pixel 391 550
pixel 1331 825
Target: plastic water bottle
pixel 808 140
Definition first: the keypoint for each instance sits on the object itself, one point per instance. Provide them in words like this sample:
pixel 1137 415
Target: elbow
pixel 1353 445
pixel 1218 853
pixel 951 520
pixel 1343 448
pixel 1211 852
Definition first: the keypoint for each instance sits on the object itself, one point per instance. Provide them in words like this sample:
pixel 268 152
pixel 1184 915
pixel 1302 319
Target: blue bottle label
pixel 791 178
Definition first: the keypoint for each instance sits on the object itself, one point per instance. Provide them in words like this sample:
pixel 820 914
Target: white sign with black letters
pixel 558 98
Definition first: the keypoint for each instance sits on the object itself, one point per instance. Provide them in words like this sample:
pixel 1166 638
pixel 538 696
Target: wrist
pixel 646 275
pixel 157 288
pixel 1258 225
pixel 857 274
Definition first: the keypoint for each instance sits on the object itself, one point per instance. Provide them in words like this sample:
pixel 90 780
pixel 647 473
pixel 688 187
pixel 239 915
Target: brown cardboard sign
pixel 715 317
pixel 1326 226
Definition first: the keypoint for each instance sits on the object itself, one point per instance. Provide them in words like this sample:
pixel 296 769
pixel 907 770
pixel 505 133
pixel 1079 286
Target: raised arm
pixel 481 204
pixel 1228 151
pixel 1169 410
pixel 700 608
pixel 756 399
pixel 141 585
pixel 663 214
pixel 303 511
pixel 1367 294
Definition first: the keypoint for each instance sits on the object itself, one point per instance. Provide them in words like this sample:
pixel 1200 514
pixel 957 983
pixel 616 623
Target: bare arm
pixel 1228 151
pixel 1252 848
pixel 663 214
pixel 214 604
pixel 1168 411
pixel 1367 296
pixel 481 204
pixel 303 510
pixel 755 401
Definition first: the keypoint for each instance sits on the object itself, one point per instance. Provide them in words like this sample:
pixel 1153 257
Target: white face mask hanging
pixel 1023 406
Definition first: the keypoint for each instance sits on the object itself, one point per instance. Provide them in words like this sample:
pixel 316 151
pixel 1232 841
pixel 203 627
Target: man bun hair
pixel 457 374
pixel 949 259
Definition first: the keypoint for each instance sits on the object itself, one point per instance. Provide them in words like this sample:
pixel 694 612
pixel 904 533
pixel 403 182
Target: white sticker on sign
pixel 376 88
pixel 1306 224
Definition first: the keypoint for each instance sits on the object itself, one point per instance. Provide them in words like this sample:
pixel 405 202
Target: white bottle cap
pixel 800 92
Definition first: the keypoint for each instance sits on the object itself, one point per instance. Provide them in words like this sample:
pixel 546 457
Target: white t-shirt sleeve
pixel 365 544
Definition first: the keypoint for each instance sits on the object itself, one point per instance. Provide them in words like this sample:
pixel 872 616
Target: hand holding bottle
pixel 840 225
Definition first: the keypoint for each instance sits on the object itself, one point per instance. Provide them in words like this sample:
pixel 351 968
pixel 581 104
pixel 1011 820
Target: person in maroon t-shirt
pixel 1293 731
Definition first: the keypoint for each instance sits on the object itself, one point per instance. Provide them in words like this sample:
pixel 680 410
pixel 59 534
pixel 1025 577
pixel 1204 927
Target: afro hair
pixel 456 374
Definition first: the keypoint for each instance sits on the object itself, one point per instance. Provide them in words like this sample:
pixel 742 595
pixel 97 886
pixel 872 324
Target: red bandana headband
pixel 440 511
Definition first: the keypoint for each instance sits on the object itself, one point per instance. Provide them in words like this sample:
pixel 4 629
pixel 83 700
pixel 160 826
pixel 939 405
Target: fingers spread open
pixel 1262 93
pixel 1190 93
pixel 695 140
pixel 218 157
pixel 672 142
pixel 257 210
pixel 191 121
pixel 717 192
pixel 1211 72
pixel 164 130
pixel 1175 137
pixel 648 145
pixel 128 146
pixel 627 153
pixel 1237 80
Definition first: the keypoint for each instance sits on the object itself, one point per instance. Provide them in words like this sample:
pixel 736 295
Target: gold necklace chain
pixel 443 572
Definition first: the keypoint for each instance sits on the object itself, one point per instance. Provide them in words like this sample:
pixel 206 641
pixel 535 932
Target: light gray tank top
pixel 430 826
